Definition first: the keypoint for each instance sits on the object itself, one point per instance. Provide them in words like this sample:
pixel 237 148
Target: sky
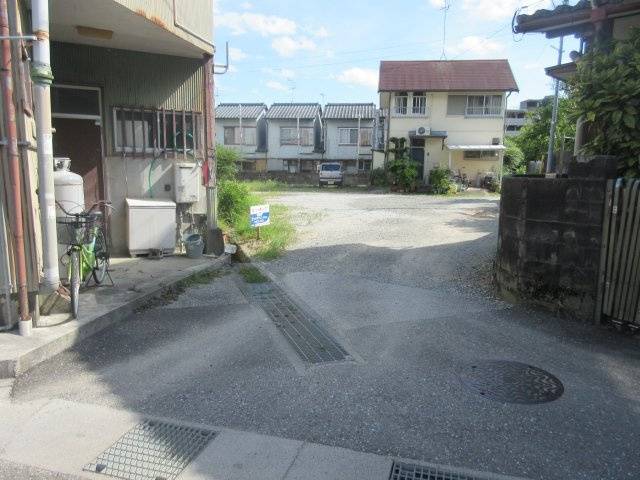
pixel 329 51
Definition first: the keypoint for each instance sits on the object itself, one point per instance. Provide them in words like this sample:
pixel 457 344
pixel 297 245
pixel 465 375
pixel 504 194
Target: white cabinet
pixel 187 182
pixel 151 225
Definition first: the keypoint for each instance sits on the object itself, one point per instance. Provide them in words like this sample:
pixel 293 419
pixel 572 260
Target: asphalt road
pixel 403 283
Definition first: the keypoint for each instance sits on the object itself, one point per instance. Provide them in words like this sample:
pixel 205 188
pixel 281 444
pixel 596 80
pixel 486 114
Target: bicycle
pixel 88 251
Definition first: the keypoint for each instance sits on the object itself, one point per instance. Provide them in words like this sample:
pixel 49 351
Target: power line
pixel 445 9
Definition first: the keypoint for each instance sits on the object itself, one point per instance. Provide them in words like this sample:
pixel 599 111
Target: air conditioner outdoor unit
pixel 423 131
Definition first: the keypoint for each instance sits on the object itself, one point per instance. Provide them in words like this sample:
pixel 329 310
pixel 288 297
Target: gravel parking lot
pixel 403 284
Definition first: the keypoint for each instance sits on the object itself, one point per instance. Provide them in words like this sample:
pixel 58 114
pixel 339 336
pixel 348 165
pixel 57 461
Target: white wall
pixel 461 130
pixel 277 151
pixel 247 151
pixel 335 151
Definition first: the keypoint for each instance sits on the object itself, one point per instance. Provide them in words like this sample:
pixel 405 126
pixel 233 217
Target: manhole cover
pixel 151 451
pixel 512 382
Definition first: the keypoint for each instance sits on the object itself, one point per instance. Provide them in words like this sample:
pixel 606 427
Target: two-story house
pixel 243 127
pixel 451 113
pixel 349 135
pixel 294 132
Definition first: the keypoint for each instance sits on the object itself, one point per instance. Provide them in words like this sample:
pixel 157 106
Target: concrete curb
pixel 12 368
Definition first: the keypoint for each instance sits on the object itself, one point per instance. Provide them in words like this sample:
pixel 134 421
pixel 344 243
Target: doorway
pixel 77 120
pixel 417 155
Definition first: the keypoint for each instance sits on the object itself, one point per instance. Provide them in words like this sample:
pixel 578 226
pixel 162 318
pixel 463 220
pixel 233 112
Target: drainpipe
pixel 42 79
pixel 14 171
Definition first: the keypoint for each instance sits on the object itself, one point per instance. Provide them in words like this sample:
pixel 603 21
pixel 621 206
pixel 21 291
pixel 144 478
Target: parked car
pixel 331 174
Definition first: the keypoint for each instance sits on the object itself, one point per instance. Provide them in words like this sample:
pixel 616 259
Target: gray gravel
pixel 394 294
pixel 15 471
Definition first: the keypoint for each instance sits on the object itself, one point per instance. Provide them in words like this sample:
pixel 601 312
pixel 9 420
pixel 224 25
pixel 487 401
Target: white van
pixel 330 174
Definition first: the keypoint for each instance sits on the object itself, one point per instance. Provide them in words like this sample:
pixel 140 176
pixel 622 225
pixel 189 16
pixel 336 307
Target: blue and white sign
pixel 259 215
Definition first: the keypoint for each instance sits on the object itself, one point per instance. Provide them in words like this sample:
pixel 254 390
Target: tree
pixel 513 158
pixel 606 90
pixel 533 139
pixel 226 162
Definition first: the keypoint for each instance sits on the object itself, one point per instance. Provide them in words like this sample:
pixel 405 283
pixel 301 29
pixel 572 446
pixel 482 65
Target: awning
pixel 476 147
pixel 430 134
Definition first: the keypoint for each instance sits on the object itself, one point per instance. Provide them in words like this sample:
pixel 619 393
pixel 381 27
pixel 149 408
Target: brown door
pixel 80 140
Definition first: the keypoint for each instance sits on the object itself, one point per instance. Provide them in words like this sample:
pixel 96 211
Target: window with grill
pixel 419 106
pixel 480 154
pixel 143 131
pixel 238 136
pixel 484 105
pixel 400 104
pixel 349 136
pixel 364 165
pixel 289 136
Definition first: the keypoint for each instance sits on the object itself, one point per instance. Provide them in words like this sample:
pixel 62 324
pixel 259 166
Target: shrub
pixel 234 201
pixel 379 177
pixel 440 181
pixel 403 173
pixel 606 90
pixel 514 162
pixel 493 185
pixel 226 163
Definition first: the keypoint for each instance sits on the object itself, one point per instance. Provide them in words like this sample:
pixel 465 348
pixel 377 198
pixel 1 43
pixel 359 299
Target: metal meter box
pixel 187 182
pixel 151 225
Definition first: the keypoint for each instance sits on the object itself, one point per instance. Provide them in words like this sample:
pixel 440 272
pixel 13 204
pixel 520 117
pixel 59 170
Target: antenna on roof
pixel 445 8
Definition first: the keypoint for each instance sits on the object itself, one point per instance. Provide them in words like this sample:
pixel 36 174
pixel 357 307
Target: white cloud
pixel 320 33
pixel 289 46
pixel 264 25
pixel 233 69
pixel 437 3
pixel 236 54
pixel 495 9
pixel 476 47
pixel 246 5
pixel 364 77
pixel 273 85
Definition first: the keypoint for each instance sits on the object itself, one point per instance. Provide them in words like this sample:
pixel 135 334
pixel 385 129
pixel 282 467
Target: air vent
pixel 495 141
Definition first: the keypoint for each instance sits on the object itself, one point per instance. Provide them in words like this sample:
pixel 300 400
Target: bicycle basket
pixel 77 230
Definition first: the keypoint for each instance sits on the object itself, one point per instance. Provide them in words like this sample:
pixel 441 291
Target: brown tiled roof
pixel 446 76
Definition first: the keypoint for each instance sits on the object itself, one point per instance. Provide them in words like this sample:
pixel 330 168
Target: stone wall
pixel 549 239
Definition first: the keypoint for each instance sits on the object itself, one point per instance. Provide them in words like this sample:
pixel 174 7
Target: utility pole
pixel 551 160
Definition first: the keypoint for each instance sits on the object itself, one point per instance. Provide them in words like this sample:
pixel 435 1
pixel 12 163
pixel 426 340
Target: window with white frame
pixel 484 105
pixel 145 130
pixel 232 136
pixel 349 136
pixel 480 154
pixel 400 103
pixel 289 136
pixel 419 104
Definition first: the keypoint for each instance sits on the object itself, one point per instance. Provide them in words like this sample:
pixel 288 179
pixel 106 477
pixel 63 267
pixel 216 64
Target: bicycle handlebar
pixel 96 205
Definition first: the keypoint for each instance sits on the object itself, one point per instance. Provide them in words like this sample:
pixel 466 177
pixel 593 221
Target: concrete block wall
pixel 549 242
pixel 303 178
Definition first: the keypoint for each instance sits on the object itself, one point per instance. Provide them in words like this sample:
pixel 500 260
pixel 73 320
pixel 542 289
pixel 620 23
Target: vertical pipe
pixel 210 151
pixel 184 134
pixel 42 79
pixel 551 160
pixel 14 170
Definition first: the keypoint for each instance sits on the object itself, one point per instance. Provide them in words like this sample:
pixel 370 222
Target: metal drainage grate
pixel 409 471
pixel 309 340
pixel 512 382
pixel 151 451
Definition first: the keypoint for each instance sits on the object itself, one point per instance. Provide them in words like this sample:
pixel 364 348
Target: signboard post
pixel 259 217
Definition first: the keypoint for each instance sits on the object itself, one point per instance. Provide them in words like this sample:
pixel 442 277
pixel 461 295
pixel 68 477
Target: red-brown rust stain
pixel 158 21
pixel 154 19
pixel 41 34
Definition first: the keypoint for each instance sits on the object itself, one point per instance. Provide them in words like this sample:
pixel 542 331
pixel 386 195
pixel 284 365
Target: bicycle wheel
pixel 101 253
pixel 75 282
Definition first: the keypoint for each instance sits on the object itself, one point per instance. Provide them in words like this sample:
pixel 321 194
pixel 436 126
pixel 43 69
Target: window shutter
pixel 456 104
